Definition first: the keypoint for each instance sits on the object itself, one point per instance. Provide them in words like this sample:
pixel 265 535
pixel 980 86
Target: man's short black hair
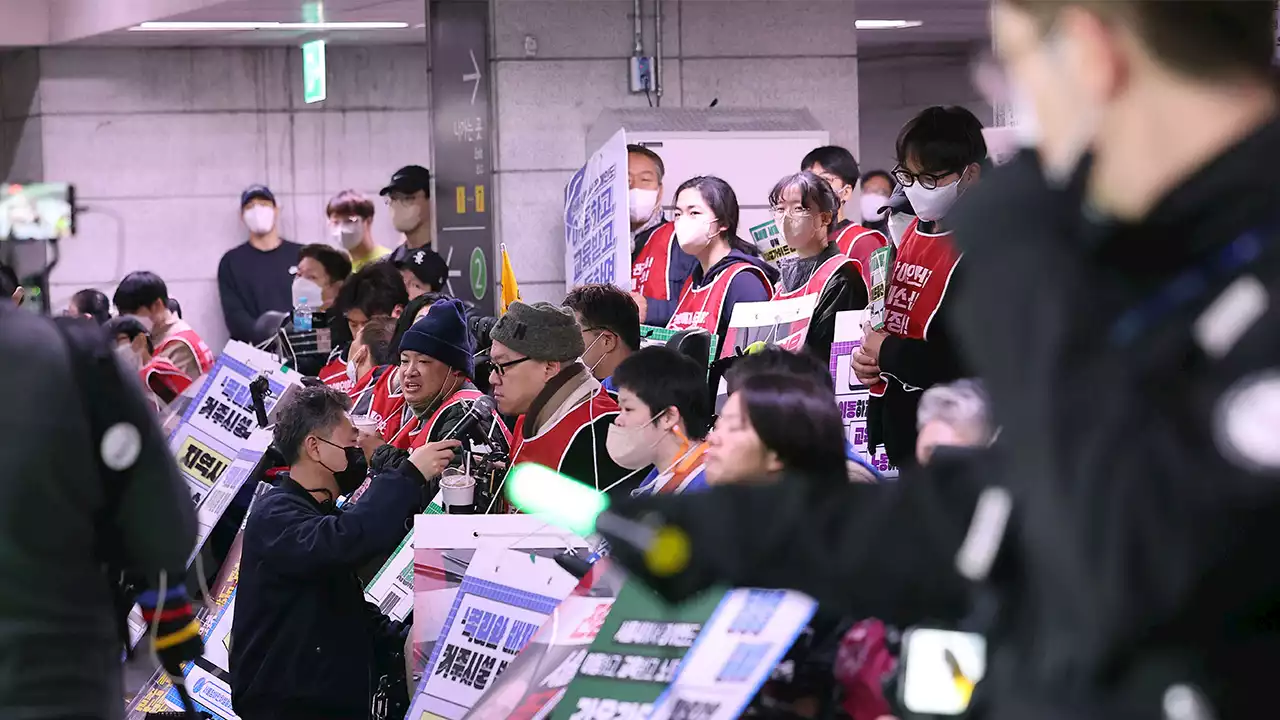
pixel 942 140
pixel 607 307
pixel 657 159
pixel 129 326
pixel 663 378
pixel 778 361
pixel 376 290
pixel 93 303
pixel 140 289
pixel 834 159
pixel 313 410
pixel 336 264
pixel 1204 39
pixel 377 335
pixel 872 174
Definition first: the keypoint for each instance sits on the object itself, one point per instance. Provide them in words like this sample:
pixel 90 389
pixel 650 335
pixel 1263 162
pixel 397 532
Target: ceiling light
pixel 217 25
pixel 886 24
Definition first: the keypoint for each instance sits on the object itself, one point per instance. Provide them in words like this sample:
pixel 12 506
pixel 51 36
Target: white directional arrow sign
pixel 473 76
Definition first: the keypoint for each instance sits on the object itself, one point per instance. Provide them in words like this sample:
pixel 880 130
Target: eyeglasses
pixel 500 369
pixel 796 213
pixel 928 181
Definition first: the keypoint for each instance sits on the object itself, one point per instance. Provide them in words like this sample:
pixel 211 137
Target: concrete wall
pixel 746 53
pixel 893 88
pixel 160 142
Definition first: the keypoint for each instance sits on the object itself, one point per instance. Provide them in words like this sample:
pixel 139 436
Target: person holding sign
pixel 304 640
pixel 664 418
pixel 659 267
pixel 564 412
pixel 939 156
pixel 837 166
pixel 805 207
pixel 729 269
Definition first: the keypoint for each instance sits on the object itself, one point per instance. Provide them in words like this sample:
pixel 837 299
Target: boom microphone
pixel 480 410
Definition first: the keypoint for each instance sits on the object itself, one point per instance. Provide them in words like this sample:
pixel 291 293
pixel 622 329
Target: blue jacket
pixel 304 642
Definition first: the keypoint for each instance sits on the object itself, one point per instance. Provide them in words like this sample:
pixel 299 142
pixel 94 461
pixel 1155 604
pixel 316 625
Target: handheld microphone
pixel 480 410
pixel 258 390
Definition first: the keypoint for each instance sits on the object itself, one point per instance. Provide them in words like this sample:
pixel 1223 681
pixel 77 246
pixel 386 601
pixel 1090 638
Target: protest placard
pixel 740 644
pixel 851 395
pixel 881 260
pixel 443 548
pixel 597 225
pixel 504 597
pixel 535 681
pixel 635 654
pixel 768 240
pixel 784 323
pixel 391 589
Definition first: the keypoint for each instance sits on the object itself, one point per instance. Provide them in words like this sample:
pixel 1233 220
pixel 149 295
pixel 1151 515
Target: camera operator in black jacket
pixel 1122 310
pixel 305 643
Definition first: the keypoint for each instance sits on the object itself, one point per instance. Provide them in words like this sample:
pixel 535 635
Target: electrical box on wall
pixel 641 74
pixel 749 149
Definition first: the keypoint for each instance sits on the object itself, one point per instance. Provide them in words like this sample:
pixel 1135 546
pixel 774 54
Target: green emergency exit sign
pixel 313 74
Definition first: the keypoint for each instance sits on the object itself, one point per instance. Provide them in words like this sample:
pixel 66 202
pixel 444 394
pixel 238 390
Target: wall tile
pixel 130 80
pixel 762 28
pixel 19 84
pixel 381 77
pixel 532 223
pixel 581 28
pixel 336 150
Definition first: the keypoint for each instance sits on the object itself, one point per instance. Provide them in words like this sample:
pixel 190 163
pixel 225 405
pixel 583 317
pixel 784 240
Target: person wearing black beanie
pixel 437 366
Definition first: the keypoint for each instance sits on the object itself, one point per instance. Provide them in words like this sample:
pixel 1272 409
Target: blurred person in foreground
pixel 76 500
pixel 145 296
pixel 953 415
pixel 1119 542
pixel 773 359
pixel 610 322
pixel 304 642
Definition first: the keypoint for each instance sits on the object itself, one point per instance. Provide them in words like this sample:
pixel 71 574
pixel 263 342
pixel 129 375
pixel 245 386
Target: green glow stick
pixel 559 499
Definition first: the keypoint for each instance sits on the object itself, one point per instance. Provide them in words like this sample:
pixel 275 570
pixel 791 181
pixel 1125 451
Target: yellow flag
pixel 510 288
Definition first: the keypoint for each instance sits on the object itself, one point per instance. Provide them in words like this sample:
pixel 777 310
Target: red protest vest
pixel 858 242
pixel 549 446
pixel 817 282
pixel 334 374
pixel 161 376
pixel 702 307
pixel 203 354
pixel 651 270
pixel 388 405
pixel 414 434
pixel 918 281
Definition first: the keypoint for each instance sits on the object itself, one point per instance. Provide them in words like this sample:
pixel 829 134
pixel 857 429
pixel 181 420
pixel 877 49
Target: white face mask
pixel 406 218
pixel 147 322
pixel 799 232
pixel 934 204
pixel 128 358
pixel 898 224
pixel 871 204
pixel 641 204
pixel 348 235
pixel 592 366
pixel 304 289
pixel 632 447
pixel 260 219
pixel 693 233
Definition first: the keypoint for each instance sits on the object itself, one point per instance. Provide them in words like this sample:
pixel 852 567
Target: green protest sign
pixel 635 654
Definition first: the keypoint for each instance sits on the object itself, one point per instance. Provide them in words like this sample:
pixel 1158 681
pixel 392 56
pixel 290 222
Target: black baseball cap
pixel 427 265
pixel 408 180
pixel 254 192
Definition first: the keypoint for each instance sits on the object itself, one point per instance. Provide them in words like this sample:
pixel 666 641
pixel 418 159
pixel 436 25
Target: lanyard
pixel 1184 289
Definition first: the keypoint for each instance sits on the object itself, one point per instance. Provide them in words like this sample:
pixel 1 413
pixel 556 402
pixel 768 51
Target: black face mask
pixel 350 478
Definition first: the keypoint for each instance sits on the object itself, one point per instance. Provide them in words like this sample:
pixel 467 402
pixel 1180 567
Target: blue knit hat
pixel 442 334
